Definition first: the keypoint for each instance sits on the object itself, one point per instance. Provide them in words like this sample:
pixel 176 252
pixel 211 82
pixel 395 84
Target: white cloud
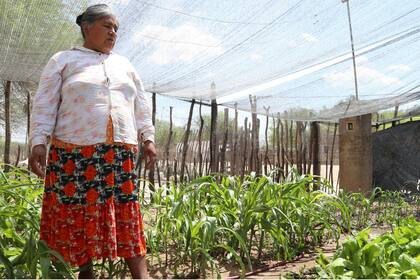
pixel 362 59
pixel 364 74
pixel 399 68
pixel 256 57
pixel 309 38
pixel 178 44
pixel 292 44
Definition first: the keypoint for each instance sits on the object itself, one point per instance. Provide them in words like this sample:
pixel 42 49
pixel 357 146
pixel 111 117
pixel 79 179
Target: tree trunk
pixel 18 157
pixel 185 145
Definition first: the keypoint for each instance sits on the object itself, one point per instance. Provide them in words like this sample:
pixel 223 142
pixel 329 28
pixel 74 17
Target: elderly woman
pixel 91 107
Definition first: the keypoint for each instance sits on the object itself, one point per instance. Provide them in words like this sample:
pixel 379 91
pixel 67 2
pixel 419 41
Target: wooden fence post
pixel 266 160
pixel 225 138
pixel 245 148
pixel 151 174
pixel 332 156
pixel 28 121
pixel 185 144
pixel 168 143
pixel 213 138
pixel 200 134
pixel 315 149
pixel 234 168
pixel 7 129
pixel 326 148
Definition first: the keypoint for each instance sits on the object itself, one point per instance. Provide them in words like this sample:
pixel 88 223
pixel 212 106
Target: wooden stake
pixel 292 161
pixel 326 147
pixel 235 142
pixel 185 144
pixel 28 121
pixel 168 143
pixel 151 174
pixel 267 109
pixel 7 128
pixel 286 150
pixel 225 139
pixel 332 155
pixel 245 148
pixel 213 138
pixel 315 148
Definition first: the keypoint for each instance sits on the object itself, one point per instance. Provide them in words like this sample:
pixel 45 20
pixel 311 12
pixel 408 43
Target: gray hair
pixel 92 14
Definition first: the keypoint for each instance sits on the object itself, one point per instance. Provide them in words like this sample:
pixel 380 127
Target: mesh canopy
pixel 294 56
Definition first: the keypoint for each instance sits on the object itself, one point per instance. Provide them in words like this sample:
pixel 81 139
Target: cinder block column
pixel 355 150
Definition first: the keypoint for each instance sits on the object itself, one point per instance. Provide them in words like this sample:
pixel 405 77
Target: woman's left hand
pixel 149 151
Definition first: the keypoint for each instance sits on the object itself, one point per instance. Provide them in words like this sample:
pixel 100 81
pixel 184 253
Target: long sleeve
pixel 45 104
pixel 143 114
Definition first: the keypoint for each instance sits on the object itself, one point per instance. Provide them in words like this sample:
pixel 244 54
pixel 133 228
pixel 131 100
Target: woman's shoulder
pixel 120 58
pixel 63 55
pixel 122 61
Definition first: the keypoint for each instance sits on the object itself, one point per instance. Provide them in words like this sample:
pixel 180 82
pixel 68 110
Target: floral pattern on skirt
pixel 90 206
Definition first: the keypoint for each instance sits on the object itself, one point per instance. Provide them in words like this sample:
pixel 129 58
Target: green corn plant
pixel 262 216
pixel 22 255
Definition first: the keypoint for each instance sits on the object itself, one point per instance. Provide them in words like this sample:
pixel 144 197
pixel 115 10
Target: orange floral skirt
pixel 90 205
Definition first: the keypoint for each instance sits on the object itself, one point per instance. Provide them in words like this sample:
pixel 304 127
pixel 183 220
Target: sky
pixel 289 53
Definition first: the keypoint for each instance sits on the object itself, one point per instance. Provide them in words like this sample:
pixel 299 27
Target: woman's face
pixel 102 34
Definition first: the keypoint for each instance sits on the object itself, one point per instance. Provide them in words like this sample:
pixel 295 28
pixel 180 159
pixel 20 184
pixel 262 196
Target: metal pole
pixel 352 48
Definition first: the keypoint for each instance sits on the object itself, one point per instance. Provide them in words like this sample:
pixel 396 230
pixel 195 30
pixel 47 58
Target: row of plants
pixel 198 226
pixel 393 255
pixel 380 208
pixel 22 254
pixel 208 222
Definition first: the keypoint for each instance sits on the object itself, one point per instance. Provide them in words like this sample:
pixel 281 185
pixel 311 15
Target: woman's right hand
pixel 38 159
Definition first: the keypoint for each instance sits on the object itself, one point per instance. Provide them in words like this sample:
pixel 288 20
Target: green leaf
pixel 236 256
pixel 414 247
pixel 406 262
pixel 350 247
pixel 338 266
pixel 410 274
pixel 322 260
pixel 371 252
pixel 7 264
pixel 45 263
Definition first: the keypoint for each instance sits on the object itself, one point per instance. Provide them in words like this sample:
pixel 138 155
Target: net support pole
pixel 352 48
